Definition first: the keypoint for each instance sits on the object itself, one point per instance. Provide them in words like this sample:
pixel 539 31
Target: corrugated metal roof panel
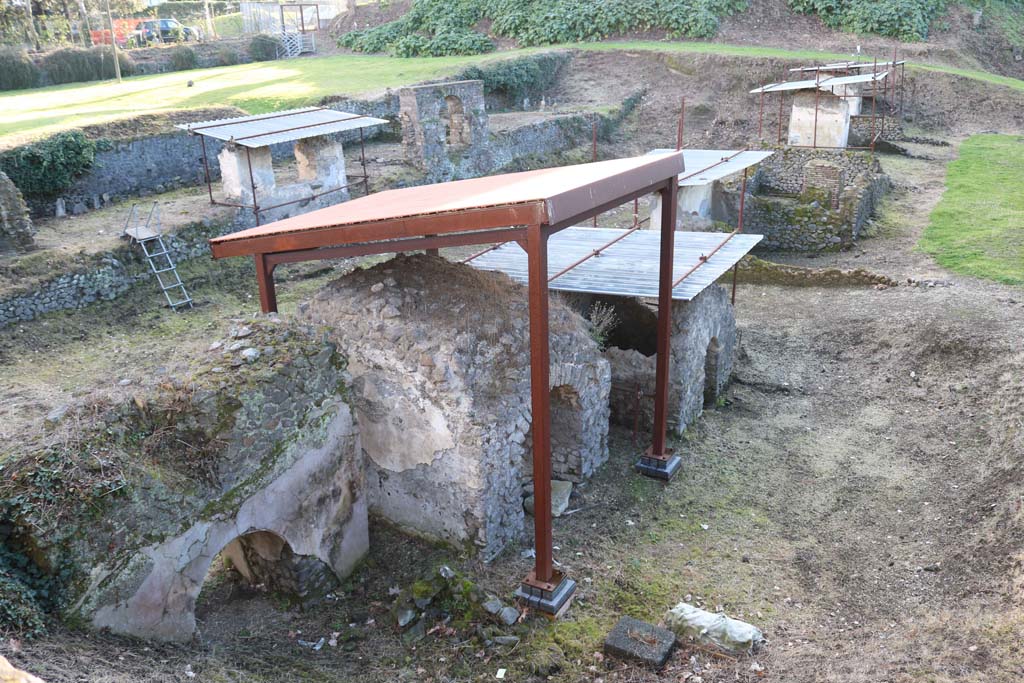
pixel 705 166
pixel 261 130
pixel 810 84
pixel 627 268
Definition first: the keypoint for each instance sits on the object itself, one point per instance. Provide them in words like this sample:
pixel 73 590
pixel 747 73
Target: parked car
pixel 165 31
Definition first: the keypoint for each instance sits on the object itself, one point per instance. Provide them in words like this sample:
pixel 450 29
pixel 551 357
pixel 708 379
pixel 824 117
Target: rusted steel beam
pixel 668 231
pixel 681 127
pixel 717 163
pixel 252 182
pixel 416 226
pixel 739 229
pixel 584 215
pixel 481 253
pixel 206 168
pixel 265 280
pixel 411 244
pixel 540 398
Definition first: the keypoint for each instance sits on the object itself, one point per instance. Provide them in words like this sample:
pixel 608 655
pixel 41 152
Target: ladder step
pixel 164 270
pixel 174 286
pixel 154 254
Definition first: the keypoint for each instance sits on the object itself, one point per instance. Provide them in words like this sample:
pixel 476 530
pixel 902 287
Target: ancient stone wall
pixel 257 440
pixel 862 129
pixel 703 350
pixel 784 171
pixel 444 127
pixel 16 230
pixel 439 356
pixel 102 276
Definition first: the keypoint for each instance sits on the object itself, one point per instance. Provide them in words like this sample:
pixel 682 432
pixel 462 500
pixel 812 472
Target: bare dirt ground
pixel 861 490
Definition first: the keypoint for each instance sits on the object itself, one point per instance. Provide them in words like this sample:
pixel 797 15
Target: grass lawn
pixel 269 86
pixel 256 88
pixel 978 226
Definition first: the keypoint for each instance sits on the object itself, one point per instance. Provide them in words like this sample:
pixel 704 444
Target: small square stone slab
pixel 638 640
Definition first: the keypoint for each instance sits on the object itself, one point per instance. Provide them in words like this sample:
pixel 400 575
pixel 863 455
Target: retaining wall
pixel 103 276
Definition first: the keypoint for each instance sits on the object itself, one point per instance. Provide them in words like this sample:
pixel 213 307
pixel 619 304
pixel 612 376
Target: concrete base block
pixel 656 468
pixel 553 603
pixel 636 640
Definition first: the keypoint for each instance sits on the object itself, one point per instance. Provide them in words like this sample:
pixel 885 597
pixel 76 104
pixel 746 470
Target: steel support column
pixel 660 462
pixel 265 280
pixel 544 588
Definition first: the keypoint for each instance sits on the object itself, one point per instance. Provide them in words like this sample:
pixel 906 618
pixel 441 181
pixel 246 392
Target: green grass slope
pixel 978 226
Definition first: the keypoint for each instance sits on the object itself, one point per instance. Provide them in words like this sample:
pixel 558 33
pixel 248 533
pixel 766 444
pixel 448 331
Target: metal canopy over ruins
pixel 845 66
pixel 527 208
pixel 629 266
pixel 262 130
pixel 825 83
pixel 705 166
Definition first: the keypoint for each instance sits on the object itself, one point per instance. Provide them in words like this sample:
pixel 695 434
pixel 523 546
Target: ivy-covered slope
pixel 443 27
pixel 453 27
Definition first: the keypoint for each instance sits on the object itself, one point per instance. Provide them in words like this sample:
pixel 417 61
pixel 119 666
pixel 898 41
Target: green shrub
pixel 19 610
pixel 45 168
pixel 444 27
pixel 75 64
pixel 904 19
pixel 517 79
pixel 263 47
pixel 227 56
pixel 17 71
pixel 183 58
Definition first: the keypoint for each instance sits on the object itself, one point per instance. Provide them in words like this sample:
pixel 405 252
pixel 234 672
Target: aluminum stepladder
pixel 150 237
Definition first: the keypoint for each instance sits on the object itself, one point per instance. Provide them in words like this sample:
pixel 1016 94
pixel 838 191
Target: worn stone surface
pixel 703 350
pixel 444 127
pixel 560 492
pixel 101 277
pixel 263 463
pixel 16 230
pixel 808 200
pixel 442 394
pixel 632 639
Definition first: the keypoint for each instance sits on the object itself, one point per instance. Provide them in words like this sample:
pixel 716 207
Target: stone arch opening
pixel 711 370
pixel 262 562
pixel 566 432
pixel 458 132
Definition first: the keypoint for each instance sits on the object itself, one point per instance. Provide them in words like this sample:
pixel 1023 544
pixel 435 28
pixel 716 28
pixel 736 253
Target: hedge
pixel 76 64
pixel 17 71
pixel 45 168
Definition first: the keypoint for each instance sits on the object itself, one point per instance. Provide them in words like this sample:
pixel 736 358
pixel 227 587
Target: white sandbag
pixel 727 633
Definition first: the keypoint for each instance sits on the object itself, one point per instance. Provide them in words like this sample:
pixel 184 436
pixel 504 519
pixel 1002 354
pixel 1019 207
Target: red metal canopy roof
pixel 551 196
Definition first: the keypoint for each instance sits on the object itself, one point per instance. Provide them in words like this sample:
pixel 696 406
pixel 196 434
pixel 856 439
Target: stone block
pixel 632 639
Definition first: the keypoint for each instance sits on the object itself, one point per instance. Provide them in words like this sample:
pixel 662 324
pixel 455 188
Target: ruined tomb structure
pixel 280 491
pixel 703 350
pixel 439 358
pixel 444 128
